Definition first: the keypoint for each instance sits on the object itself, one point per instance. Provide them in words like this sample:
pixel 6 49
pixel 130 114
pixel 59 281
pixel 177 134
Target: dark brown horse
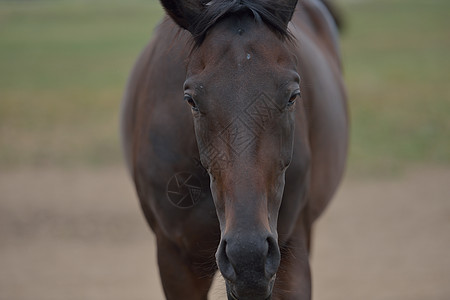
pixel 234 176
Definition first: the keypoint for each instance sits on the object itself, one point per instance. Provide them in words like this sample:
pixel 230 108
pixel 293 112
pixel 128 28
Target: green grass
pixel 64 65
pixel 397 61
pixel 63 68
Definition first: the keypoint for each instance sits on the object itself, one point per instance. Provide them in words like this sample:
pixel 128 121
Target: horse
pixel 235 133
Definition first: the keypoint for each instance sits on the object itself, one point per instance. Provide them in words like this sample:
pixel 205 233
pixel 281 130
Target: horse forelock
pixel 262 11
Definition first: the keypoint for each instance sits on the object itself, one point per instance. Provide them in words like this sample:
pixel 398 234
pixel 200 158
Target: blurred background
pixel 70 224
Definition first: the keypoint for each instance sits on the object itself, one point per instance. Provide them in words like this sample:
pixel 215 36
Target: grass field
pixel 397 59
pixel 64 65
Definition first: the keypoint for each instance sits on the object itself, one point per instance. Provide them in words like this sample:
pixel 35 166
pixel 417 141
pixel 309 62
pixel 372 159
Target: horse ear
pixel 284 9
pixel 183 11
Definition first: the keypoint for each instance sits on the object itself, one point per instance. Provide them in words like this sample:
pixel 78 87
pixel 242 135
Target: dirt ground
pixel 79 234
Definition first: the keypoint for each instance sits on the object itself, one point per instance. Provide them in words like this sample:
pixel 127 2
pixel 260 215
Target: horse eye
pixel 188 98
pixel 294 97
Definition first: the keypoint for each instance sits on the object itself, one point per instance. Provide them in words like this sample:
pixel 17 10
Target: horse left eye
pixel 190 100
pixel 294 97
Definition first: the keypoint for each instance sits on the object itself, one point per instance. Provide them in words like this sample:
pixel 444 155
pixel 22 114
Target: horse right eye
pixel 296 94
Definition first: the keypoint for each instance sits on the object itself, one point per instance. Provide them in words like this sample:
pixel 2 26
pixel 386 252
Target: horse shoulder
pixel 144 84
pixel 327 118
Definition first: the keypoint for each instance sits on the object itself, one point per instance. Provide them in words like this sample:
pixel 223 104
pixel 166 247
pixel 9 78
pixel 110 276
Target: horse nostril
pixel 225 266
pixel 247 259
pixel 273 257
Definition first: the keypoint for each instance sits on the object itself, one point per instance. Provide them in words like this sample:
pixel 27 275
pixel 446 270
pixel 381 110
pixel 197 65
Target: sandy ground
pixel 79 234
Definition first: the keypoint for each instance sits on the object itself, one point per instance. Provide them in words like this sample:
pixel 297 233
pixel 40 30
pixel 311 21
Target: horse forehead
pixel 240 43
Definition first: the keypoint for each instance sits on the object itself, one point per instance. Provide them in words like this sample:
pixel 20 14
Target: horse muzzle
pixel 248 293
pixel 248 262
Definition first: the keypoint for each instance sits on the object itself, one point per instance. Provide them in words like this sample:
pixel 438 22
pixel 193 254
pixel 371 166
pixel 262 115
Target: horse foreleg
pixel 294 276
pixel 179 279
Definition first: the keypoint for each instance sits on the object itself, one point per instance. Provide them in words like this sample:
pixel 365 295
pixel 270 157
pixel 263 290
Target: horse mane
pixel 262 11
pixel 336 14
